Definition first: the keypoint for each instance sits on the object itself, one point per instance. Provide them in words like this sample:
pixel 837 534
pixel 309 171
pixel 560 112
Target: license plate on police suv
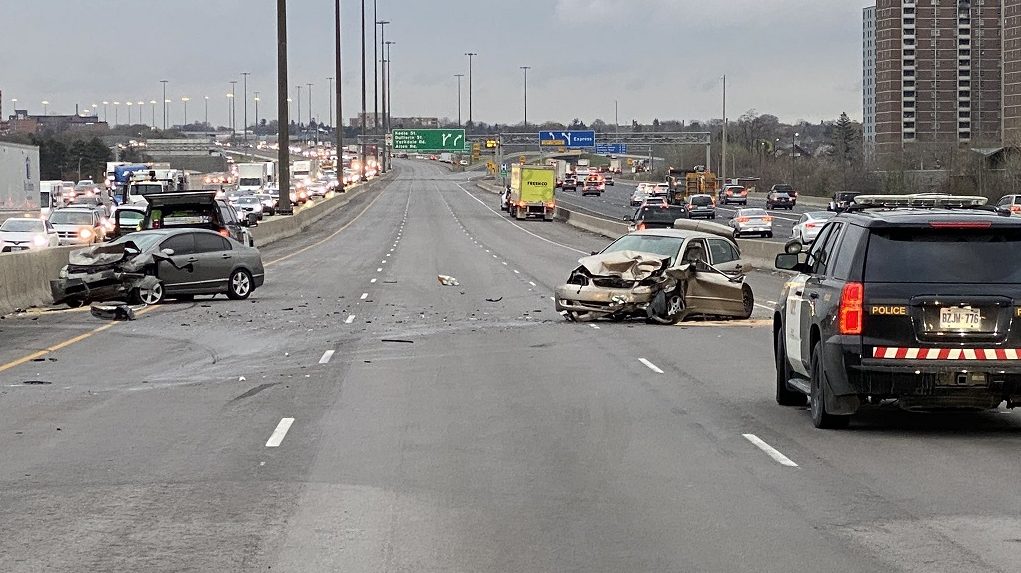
pixel 958 318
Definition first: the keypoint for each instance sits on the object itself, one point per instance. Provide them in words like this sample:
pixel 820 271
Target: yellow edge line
pixel 66 343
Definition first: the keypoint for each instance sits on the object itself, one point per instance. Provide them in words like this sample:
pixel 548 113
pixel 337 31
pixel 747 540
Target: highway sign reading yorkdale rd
pixel 569 139
pixel 429 140
pixel 611 148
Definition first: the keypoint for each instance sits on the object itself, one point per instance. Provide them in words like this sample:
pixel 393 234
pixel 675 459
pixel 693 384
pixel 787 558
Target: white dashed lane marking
pixel 279 433
pixel 770 451
pixel 651 366
pixel 365 295
pixel 326 356
pixel 350 319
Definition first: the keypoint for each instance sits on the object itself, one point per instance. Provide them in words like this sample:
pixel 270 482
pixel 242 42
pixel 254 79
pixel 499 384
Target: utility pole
pixel 283 125
pixel 458 76
pixel 382 48
pixel 340 110
pixel 233 107
pixel 244 126
pixel 470 117
pixel 297 111
pixel 329 93
pixel 723 157
pixel 207 112
pixel 525 69
pixel 375 69
pixel 310 115
pixel 164 82
pixel 184 100
pixel 257 99
pixel 361 162
pixel 388 102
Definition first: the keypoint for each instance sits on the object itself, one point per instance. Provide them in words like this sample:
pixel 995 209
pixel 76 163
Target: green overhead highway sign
pixel 429 140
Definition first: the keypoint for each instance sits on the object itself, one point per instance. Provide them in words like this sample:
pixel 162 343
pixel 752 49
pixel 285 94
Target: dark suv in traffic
pixel 911 298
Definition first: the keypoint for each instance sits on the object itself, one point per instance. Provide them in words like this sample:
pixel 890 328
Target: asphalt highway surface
pixel 356 415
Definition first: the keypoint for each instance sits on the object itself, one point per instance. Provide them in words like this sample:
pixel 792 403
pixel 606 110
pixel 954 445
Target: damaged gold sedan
pixel 661 275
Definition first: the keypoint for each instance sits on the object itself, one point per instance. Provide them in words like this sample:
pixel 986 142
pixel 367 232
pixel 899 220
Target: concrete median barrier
pixel 25 277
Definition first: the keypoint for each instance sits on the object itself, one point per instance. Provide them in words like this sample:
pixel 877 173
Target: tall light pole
pixel 458 76
pixel 116 112
pixel 310 114
pixel 233 107
pixel 230 113
pixel 340 112
pixel 244 131
pixel 165 101
pixel 297 104
pixel 185 101
pixel 129 111
pixel 284 145
pixel 140 120
pixel 105 114
pixel 525 69
pixel 470 116
pixel 794 145
pixel 388 102
pixel 375 69
pixel 46 107
pixel 361 162
pixel 723 155
pixel 257 99
pixel 152 104
pixel 207 112
pixel 378 44
pixel 616 121
pixel 329 94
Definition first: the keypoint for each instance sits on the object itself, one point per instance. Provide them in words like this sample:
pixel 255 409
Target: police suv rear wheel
pixel 820 418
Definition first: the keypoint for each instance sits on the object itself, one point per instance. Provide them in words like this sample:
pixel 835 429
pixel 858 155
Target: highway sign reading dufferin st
pixel 429 140
pixel 612 148
pixel 570 139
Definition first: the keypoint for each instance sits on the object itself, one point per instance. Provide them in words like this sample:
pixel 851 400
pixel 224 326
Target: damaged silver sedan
pixel 149 266
pixel 663 276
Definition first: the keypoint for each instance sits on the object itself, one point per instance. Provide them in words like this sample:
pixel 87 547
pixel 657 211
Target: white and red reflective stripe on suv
pixel 946 353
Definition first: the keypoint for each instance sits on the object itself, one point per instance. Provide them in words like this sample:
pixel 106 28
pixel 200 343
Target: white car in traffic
pixel 809 225
pixel 26 233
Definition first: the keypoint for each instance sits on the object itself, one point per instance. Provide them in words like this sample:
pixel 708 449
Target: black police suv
pixel 915 298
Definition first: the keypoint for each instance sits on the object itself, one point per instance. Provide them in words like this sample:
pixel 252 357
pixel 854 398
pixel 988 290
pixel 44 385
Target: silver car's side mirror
pixel 168 252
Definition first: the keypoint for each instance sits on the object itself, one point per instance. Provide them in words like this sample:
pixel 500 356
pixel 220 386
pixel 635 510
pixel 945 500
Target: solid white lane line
pixel 350 319
pixel 326 356
pixel 365 295
pixel 279 432
pixel 531 283
pixel 593 327
pixel 651 366
pixel 770 451
pixel 373 281
pixel 764 306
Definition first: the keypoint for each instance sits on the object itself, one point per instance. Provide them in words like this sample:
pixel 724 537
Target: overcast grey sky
pixel 661 59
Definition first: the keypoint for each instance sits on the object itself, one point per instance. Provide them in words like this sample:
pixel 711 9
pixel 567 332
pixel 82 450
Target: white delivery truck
pixel 305 170
pixel 583 169
pixel 50 196
pixel 253 177
pixel 19 177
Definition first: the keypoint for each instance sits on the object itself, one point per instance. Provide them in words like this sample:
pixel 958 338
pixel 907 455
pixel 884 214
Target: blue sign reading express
pixel 567 138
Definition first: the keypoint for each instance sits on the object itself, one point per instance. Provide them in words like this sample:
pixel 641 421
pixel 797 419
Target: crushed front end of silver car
pixel 101 272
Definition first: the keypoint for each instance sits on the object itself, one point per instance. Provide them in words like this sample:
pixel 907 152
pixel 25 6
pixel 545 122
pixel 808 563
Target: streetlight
pixel 129 111
pixel 458 76
pixel 340 111
pixel 185 101
pixel 233 108
pixel 46 107
pixel 165 102
pixel 723 153
pixel 525 69
pixel 470 56
pixel 207 112
pixel 257 100
pixel 297 109
pixel 244 131
pixel 310 112
pixel 15 102
pixel 230 108
pixel 284 206
pixel 361 162
pixel 329 92
pixel 116 112
pixel 105 104
pixel 152 102
pixel 382 32
pixel 388 98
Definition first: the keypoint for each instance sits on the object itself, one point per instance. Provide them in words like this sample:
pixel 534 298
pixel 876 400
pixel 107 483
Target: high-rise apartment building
pixel 868 80
pixel 1011 126
pixel 938 71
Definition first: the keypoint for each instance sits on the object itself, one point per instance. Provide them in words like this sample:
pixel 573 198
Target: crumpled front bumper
pixel 103 285
pixel 604 300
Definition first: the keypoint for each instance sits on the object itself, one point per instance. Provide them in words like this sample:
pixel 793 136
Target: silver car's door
pixel 215 261
pixel 178 274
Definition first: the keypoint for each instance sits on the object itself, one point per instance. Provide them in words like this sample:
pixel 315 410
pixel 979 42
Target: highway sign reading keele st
pixel 429 140
pixel 569 139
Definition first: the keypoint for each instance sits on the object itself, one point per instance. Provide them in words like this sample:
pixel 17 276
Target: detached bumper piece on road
pixel 113 311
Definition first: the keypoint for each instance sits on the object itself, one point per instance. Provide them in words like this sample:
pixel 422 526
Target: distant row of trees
pixel 67 156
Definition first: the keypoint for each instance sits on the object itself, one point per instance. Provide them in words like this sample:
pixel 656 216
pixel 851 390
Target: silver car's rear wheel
pixel 151 294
